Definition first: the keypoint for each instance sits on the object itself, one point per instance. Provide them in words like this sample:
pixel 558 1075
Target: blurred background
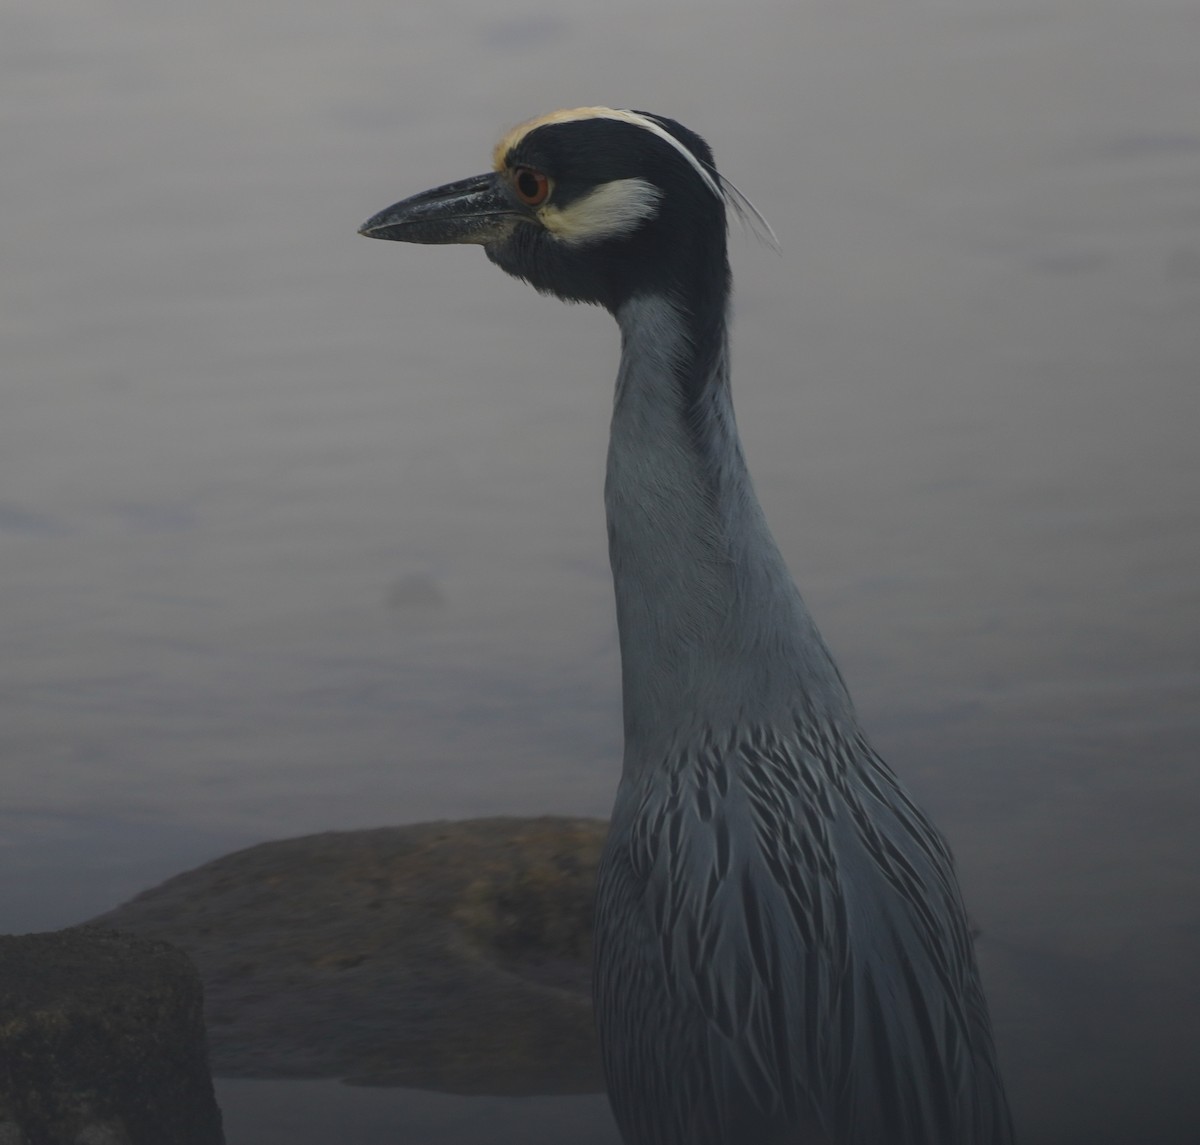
pixel 302 532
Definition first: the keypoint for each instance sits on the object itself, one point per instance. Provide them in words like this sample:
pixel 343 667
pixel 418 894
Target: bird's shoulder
pixel 792 894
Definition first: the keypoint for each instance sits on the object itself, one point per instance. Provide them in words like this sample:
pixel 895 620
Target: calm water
pixel 299 531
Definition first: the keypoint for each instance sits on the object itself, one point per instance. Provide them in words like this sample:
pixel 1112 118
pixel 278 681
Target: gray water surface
pixel 301 532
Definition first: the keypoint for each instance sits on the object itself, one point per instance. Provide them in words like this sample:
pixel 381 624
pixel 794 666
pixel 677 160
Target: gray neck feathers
pixel 713 632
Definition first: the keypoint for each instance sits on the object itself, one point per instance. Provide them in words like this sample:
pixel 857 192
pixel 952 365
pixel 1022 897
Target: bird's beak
pixel 476 210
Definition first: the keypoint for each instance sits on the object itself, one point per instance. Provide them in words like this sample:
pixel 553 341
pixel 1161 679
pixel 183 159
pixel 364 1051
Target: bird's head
pixel 591 204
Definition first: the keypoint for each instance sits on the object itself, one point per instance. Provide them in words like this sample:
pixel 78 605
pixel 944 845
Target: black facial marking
pixel 680 246
pixel 679 252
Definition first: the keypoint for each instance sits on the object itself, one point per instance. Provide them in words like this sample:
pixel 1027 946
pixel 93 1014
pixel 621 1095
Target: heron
pixel 781 954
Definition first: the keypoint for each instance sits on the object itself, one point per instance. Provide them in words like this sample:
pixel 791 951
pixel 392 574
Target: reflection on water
pixel 299 532
pixel 284 1112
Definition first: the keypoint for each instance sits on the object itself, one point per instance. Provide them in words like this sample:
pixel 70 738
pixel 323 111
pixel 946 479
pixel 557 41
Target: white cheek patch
pixel 612 209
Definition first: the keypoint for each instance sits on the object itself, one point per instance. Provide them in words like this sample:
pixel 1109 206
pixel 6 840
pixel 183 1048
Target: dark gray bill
pixel 476 210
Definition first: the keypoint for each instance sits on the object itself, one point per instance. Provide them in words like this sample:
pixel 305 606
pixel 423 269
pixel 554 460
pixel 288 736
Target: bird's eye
pixel 532 187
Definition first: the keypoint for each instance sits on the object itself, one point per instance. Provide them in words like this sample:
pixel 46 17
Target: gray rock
pixel 452 956
pixel 102 1043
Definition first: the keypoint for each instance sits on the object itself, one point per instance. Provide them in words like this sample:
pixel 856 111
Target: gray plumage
pixel 782 955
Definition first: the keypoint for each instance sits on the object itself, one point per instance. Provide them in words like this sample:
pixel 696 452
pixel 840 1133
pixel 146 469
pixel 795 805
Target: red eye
pixel 532 187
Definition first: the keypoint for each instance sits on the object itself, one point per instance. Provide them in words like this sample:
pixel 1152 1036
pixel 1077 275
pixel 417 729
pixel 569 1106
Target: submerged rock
pixel 451 956
pixel 102 1042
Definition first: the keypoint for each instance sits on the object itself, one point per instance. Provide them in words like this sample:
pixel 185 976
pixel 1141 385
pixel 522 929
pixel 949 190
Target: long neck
pixel 712 629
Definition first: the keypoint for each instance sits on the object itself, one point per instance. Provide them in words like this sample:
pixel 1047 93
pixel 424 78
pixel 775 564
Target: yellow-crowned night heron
pixel 782 954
